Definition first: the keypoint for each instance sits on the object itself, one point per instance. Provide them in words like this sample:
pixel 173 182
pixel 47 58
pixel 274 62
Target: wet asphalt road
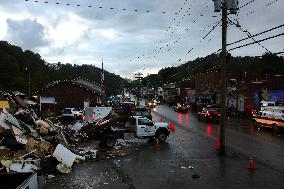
pixel 188 159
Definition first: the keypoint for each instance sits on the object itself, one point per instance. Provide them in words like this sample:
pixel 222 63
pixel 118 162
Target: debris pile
pixel 28 143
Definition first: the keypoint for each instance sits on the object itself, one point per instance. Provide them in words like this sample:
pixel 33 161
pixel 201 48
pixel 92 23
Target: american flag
pixel 102 75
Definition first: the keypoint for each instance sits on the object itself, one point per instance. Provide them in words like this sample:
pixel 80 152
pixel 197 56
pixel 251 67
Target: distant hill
pixel 13 76
pixel 267 64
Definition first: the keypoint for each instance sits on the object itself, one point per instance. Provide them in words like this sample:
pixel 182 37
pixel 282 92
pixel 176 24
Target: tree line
pixel 266 64
pixel 15 65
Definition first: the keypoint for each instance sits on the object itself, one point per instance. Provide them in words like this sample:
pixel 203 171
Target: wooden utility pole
pixel 223 102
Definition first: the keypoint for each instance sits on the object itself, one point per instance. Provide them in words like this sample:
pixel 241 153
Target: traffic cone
pixel 172 127
pixel 251 165
pixel 218 144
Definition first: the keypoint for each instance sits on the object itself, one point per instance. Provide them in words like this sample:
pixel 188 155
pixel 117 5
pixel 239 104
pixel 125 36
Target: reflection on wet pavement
pixel 243 125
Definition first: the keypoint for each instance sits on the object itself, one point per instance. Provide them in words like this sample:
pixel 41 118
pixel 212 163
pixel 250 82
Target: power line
pixel 169 48
pixel 257 41
pixel 248 34
pixel 211 30
pixel 256 34
pixel 170 29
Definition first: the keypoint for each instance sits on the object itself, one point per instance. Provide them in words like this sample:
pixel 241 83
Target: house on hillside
pixel 69 93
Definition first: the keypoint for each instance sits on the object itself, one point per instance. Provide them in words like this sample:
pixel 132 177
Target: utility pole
pixel 223 102
pixel 224 6
pixel 139 77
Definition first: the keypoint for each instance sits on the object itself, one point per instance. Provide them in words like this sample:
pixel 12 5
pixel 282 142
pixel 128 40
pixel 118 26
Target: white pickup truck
pixel 107 126
pixel 144 127
pixel 139 127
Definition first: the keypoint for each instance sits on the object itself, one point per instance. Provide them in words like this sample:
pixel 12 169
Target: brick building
pixel 264 86
pixel 241 88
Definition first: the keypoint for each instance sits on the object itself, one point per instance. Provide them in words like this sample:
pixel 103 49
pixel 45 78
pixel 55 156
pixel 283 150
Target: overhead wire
pixel 254 35
pixel 215 25
pixel 248 34
pixel 179 60
pixel 159 48
pixel 265 39
pixel 169 28
pixel 211 30
pixel 177 13
pixel 268 4
pixel 170 46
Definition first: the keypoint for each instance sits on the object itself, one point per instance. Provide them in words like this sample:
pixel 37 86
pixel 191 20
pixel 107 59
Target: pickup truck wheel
pixel 275 128
pixel 152 140
pixel 109 142
pixel 162 137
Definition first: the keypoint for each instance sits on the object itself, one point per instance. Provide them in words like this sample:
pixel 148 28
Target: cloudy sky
pixel 134 35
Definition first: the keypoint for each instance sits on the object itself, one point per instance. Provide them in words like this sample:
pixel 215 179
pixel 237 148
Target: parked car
pixel 143 111
pixel 181 107
pixel 209 114
pixel 72 112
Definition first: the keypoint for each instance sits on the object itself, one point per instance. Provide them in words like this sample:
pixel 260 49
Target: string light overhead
pixel 100 7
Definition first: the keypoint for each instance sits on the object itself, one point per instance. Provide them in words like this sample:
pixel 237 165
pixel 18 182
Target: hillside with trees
pixel 266 64
pixel 14 76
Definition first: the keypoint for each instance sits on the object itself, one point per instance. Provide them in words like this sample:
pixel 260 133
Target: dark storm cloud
pixel 26 33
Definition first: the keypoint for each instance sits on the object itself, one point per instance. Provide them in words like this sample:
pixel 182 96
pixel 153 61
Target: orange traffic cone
pixel 172 127
pixel 251 165
pixel 218 144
